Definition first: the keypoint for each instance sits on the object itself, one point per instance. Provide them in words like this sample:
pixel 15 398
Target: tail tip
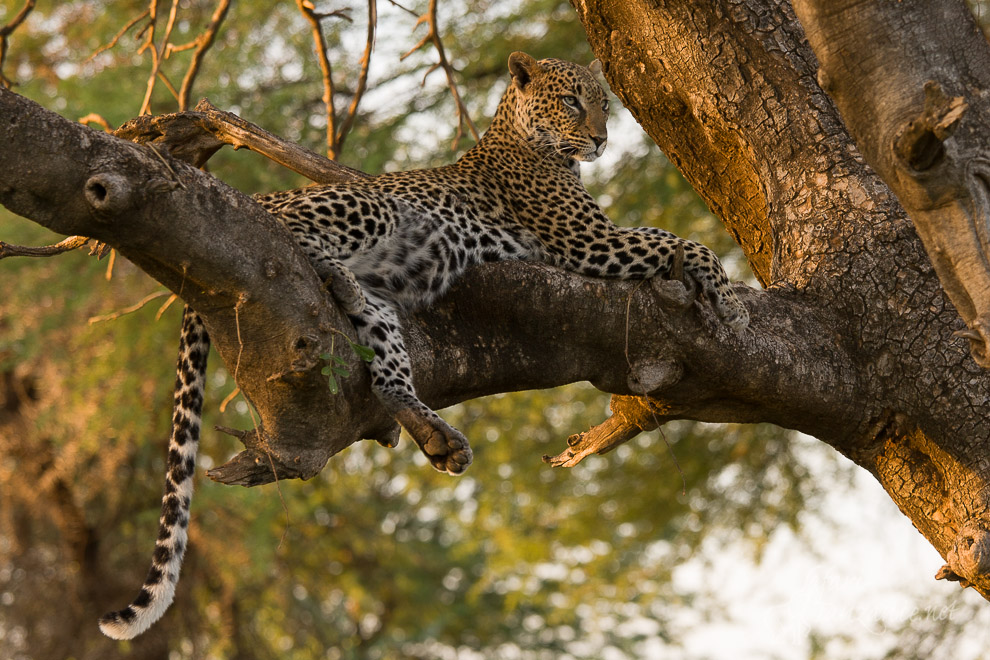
pixel 117 625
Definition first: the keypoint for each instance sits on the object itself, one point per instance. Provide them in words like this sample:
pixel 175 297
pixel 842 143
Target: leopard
pixel 390 244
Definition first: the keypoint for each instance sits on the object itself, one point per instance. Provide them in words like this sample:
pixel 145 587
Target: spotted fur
pixel 394 242
pixel 159 587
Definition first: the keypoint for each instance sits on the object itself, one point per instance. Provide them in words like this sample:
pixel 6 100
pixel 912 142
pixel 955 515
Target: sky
pixel 859 568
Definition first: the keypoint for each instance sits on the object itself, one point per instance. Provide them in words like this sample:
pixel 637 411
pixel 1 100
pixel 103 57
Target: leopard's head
pixel 559 106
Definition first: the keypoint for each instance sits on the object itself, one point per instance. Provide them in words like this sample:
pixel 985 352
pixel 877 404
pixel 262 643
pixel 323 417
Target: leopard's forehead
pixel 574 77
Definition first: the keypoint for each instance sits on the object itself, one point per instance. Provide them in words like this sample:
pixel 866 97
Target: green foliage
pixel 336 366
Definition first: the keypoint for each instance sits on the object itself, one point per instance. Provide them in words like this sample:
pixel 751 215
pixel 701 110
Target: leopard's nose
pixel 599 140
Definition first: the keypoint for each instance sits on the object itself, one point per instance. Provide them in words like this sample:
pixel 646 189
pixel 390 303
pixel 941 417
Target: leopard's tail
pixel 159 587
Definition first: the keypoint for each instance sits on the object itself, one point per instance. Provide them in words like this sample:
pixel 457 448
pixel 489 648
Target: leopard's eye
pixel 604 105
pixel 571 102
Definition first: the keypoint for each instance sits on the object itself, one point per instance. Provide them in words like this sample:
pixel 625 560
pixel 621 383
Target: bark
pixel 908 79
pixel 728 90
pixel 852 340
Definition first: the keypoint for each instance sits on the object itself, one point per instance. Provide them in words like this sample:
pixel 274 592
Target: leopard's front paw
pixel 443 445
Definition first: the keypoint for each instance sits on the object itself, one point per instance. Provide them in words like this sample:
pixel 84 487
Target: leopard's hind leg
pixel 378 327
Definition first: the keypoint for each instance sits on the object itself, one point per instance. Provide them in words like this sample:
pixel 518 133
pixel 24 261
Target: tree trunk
pixel 729 92
pixel 852 340
pixel 906 77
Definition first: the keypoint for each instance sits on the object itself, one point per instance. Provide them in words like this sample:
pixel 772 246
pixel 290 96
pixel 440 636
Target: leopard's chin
pixel 585 157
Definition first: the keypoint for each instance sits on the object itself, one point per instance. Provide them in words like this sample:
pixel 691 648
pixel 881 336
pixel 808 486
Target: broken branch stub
pixel 631 415
pixel 195 136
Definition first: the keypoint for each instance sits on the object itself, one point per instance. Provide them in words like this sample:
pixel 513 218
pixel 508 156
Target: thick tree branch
pixel 908 78
pixel 217 249
pixel 264 309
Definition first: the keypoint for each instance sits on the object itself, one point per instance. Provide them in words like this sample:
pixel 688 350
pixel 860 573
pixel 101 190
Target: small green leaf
pixel 325 357
pixel 326 370
pixel 342 372
pixel 364 352
pixel 334 387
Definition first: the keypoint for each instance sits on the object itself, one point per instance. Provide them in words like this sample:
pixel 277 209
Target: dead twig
pixel 110 263
pixel 149 44
pixel 195 136
pixel 433 36
pixel 165 305
pixel 227 399
pixel 162 76
pixel 6 31
pixel 369 46
pixel 131 309
pixel 65 245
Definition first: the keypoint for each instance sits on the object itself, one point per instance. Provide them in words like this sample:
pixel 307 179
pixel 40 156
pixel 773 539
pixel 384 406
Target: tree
pixel 865 348
pixel 852 340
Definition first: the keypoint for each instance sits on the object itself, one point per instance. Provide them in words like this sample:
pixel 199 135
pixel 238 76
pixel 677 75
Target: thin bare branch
pixel 165 306
pixel 369 46
pixel 168 85
pixel 149 44
pixel 110 264
pixel 433 36
pixel 227 399
pixel 117 37
pixel 70 243
pixel 181 48
pixel 6 31
pixel 405 9
pixel 203 43
pixel 157 54
pixel 320 44
pixel 131 309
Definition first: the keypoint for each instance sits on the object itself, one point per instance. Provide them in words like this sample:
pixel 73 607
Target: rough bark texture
pixel 729 90
pixel 851 342
pixel 909 79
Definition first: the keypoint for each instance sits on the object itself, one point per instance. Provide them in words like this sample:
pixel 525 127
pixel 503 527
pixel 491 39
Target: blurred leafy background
pixel 379 556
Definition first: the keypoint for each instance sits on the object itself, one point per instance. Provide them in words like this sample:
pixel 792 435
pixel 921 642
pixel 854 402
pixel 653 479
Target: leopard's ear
pixel 523 68
pixel 595 67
